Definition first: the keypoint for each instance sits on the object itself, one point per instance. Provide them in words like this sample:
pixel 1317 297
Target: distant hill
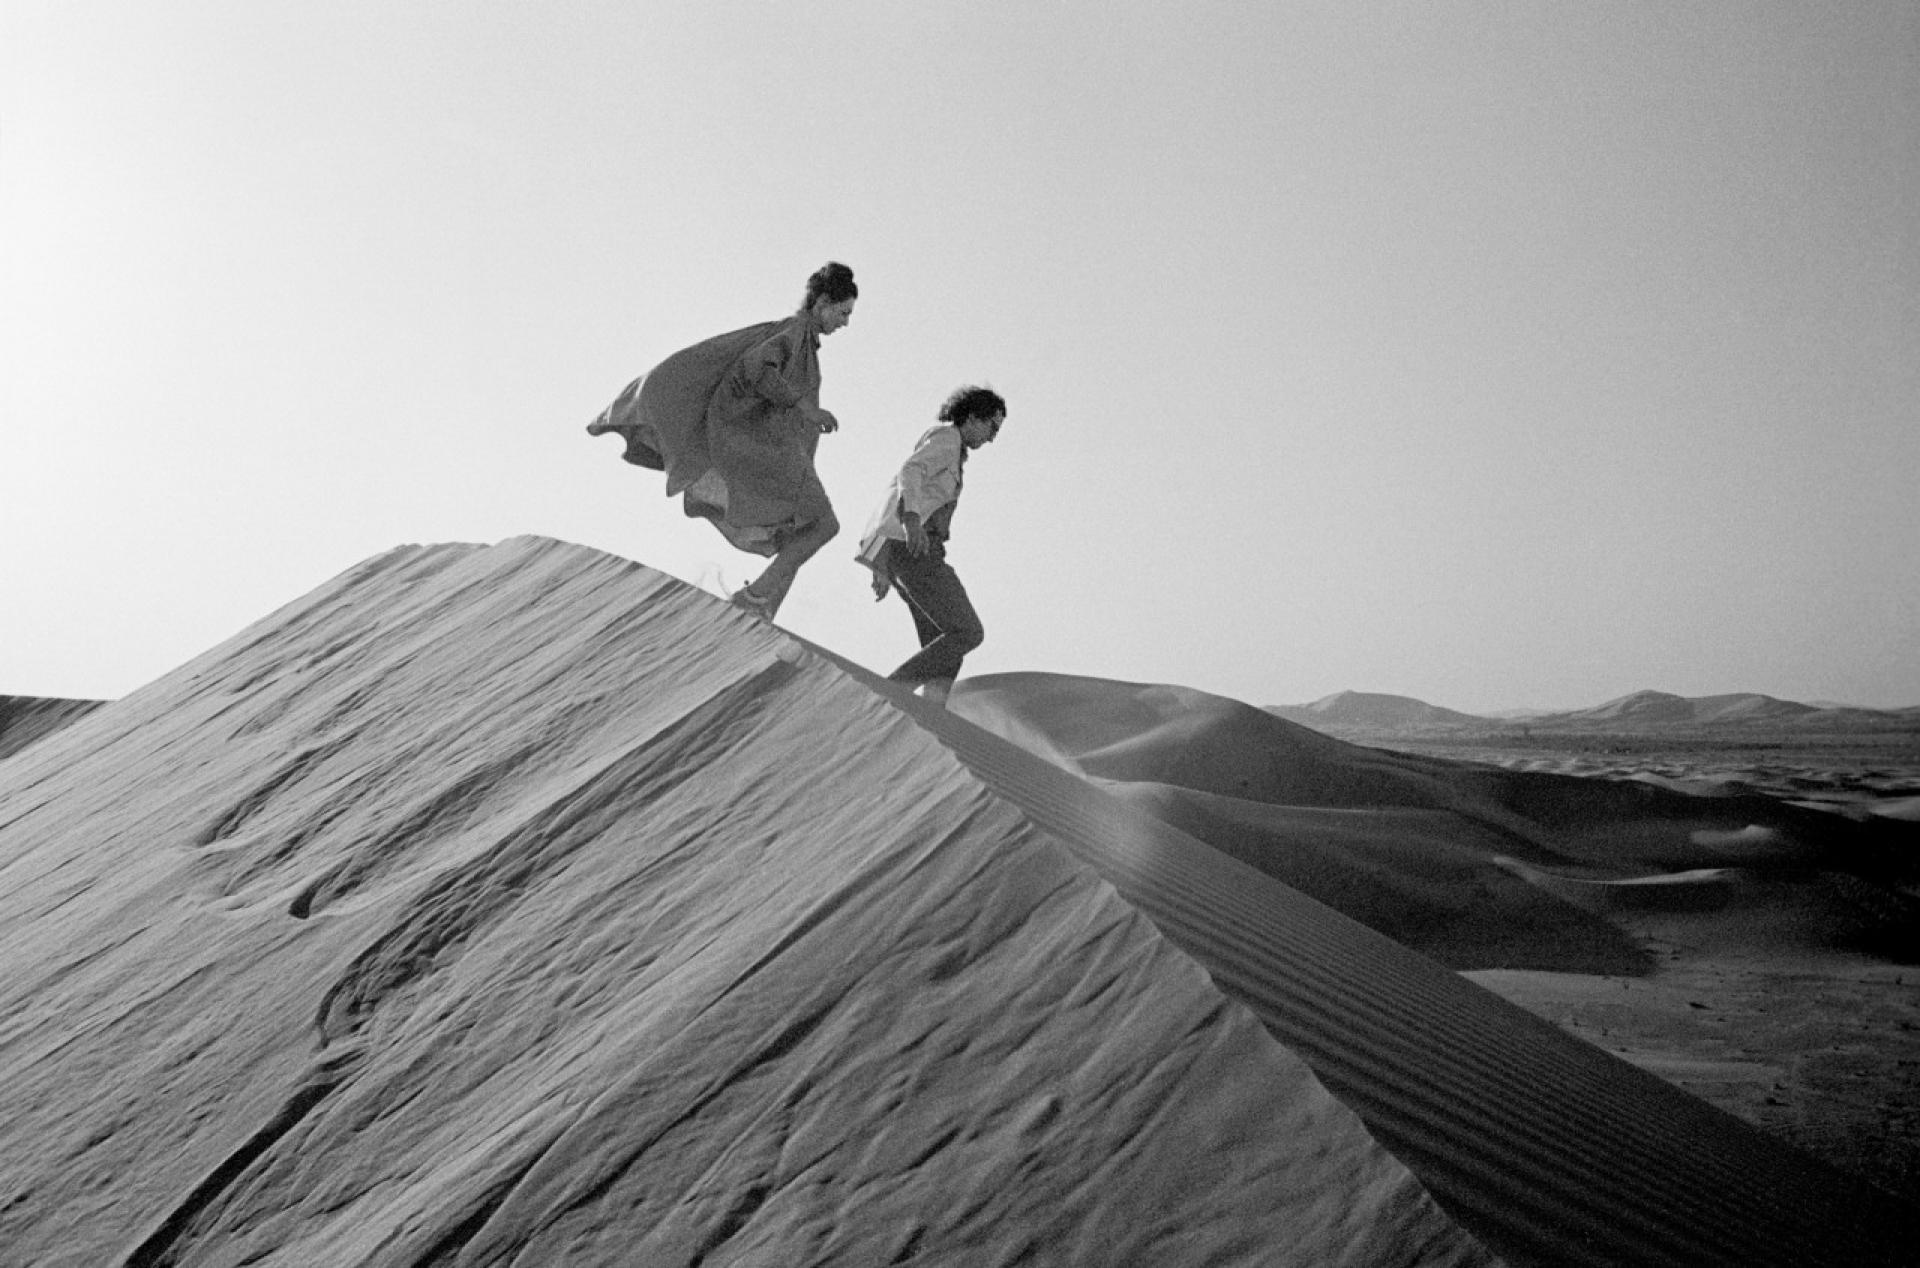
pixel 1373 709
pixel 1748 706
pixel 1661 708
pixel 1658 707
pixel 1361 713
pixel 1660 711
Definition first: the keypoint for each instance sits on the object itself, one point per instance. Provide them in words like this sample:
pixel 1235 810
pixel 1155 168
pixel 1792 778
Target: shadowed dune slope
pixel 24 719
pixel 1428 879
pixel 1355 826
pixel 1189 739
pixel 1551 1150
pixel 518 905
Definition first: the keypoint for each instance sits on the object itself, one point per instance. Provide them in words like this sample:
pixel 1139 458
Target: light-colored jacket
pixel 927 485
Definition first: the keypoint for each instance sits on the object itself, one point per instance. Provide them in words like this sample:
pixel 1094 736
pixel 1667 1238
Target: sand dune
pixel 1660 707
pixel 522 905
pixel 1430 879
pixel 1132 733
pixel 1373 709
pixel 1693 936
pixel 26 719
pixel 1905 808
pixel 1548 1149
pixel 518 904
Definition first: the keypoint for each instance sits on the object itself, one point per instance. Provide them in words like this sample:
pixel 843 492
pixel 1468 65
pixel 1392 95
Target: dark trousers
pixel 942 613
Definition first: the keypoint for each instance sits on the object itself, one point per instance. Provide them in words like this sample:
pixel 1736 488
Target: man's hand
pixel 916 535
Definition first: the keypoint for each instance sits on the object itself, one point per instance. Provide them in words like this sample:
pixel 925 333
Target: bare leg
pixel 766 592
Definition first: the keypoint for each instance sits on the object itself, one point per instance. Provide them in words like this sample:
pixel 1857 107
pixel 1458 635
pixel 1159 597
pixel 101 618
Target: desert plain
pixel 1773 998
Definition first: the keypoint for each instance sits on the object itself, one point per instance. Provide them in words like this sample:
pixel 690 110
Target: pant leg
pixel 922 626
pixel 942 613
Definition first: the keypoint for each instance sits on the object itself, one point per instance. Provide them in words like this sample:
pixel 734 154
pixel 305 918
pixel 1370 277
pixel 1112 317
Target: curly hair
pixel 833 280
pixel 971 402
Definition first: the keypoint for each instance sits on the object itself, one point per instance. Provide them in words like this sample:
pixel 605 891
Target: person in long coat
pixel 734 422
pixel 905 544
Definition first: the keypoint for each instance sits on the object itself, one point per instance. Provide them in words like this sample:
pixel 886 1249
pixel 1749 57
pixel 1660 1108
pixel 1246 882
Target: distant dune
pixel 1373 709
pixel 25 719
pixel 1422 849
pixel 520 904
pixel 1359 713
pixel 1661 708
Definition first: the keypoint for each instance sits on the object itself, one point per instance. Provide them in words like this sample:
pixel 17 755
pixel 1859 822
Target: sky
pixel 1499 355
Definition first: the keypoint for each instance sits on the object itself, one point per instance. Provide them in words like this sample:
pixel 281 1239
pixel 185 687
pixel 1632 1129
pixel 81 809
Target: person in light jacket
pixel 734 422
pixel 906 543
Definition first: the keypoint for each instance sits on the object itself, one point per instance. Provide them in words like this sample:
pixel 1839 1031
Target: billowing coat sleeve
pixel 663 413
pixel 764 370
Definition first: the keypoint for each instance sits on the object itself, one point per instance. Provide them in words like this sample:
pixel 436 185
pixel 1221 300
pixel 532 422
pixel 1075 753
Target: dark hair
pixel 971 402
pixel 833 280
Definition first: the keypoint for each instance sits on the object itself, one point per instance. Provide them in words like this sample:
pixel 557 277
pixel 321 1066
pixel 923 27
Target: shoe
pixel 747 601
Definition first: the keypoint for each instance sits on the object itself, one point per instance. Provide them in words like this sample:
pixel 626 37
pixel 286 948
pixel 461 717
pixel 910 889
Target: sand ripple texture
pixel 520 905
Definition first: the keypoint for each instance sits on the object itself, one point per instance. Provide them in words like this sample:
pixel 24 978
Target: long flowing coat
pixel 733 421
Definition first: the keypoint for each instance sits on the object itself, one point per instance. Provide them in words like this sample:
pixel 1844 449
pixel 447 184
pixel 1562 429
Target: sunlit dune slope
pixel 520 905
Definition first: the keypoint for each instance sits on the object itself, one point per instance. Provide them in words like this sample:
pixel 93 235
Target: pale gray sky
pixel 1494 354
